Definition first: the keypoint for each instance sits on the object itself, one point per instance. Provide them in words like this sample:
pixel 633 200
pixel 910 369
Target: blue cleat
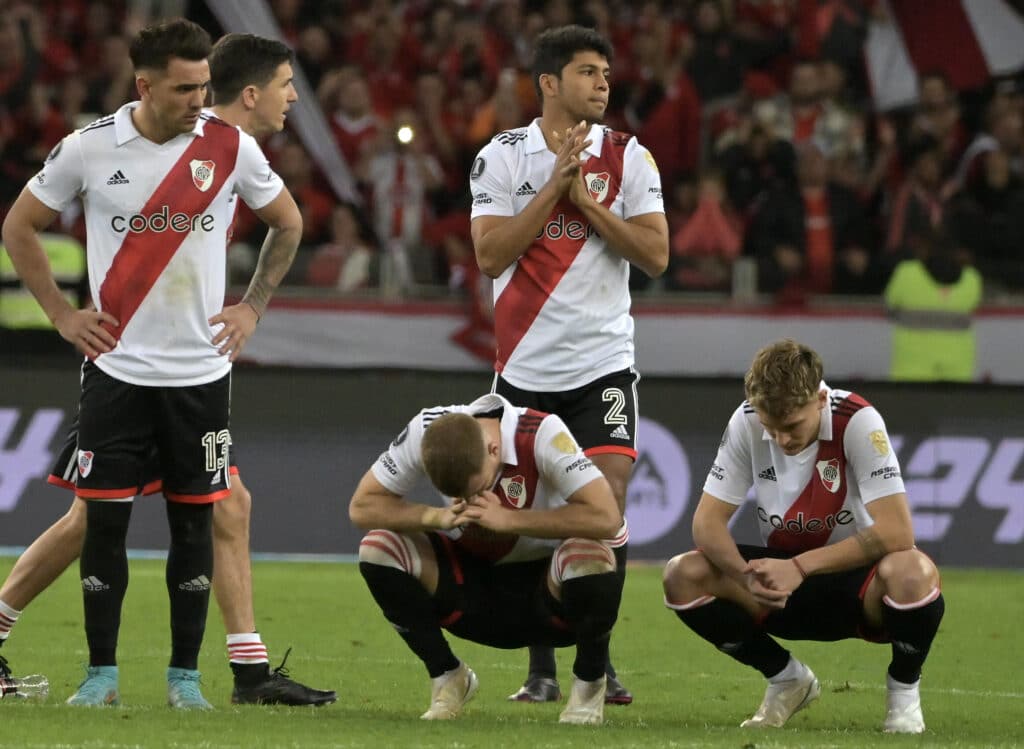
pixel 99 688
pixel 183 690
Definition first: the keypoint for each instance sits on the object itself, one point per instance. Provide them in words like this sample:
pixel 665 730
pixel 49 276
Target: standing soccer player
pixel 838 559
pixel 561 208
pixel 158 180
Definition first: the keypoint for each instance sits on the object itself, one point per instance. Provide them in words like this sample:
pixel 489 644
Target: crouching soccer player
pixel 528 549
pixel 839 558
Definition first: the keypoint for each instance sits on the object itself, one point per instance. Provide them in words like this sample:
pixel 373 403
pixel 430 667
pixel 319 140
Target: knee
pixel 685 572
pixel 907 575
pixel 580 557
pixel 390 549
pixel 231 514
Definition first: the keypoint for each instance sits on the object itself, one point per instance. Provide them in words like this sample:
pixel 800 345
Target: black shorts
pixel 65 467
pixel 500 605
pixel 602 415
pixel 125 431
pixel 825 607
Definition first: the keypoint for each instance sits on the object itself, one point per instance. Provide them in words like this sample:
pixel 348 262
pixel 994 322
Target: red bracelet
pixel 799 568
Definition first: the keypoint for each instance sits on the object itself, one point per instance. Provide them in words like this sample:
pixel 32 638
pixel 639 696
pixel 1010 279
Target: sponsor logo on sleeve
pixel 478 168
pixel 389 465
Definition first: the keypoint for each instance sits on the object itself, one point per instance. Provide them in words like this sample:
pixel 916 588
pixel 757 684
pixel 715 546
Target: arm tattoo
pixel 870 543
pixel 275 259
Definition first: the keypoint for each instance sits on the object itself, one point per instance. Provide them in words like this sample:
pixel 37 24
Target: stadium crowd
pixel 758 113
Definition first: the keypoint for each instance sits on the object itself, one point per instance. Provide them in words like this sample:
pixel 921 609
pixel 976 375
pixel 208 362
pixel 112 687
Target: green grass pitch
pixel 687 694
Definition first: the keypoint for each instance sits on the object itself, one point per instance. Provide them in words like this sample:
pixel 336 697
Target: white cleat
pixel 783 699
pixel 449 692
pixel 586 703
pixel 903 710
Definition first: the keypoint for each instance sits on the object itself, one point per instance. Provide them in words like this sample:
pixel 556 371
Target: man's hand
pixel 486 510
pixel 772 581
pixel 239 321
pixel 444 518
pixel 567 158
pixel 83 328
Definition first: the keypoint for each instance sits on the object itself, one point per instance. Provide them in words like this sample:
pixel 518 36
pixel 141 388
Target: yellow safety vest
pixel 18 308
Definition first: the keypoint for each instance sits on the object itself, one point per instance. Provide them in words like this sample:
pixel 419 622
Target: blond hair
pixel 453 451
pixel 783 377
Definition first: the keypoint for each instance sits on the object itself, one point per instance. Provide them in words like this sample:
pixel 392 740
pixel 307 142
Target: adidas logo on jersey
pixel 525 189
pixel 620 433
pixel 195 585
pixel 117 178
pixel 768 474
pixel 93 584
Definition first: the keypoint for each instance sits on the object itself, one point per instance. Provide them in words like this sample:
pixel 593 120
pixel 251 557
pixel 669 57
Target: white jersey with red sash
pixel 818 496
pixel 157 221
pixel 561 311
pixel 543 466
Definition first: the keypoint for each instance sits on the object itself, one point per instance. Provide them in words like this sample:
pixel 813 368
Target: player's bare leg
pixel 541 684
pixel 255 683
pixel 904 599
pixel 401 572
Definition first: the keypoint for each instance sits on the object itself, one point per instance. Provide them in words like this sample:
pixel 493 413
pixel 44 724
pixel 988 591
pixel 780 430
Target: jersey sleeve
pixel 490 182
pixel 255 181
pixel 869 453
pixel 62 177
pixel 561 463
pixel 641 182
pixel 400 466
pixel 732 473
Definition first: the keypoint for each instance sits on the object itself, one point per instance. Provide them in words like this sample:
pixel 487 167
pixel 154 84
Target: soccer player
pixel 159 346
pixel 838 559
pixel 528 548
pixel 251 78
pixel 561 208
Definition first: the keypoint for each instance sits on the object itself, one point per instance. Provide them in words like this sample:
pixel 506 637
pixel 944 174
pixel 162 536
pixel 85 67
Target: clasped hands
pixel 483 509
pixel 772 581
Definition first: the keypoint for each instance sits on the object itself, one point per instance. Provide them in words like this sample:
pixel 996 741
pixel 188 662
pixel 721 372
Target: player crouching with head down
pixel 528 549
pixel 838 559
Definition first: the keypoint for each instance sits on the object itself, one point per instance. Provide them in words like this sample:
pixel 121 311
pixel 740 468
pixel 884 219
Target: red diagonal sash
pixel 143 255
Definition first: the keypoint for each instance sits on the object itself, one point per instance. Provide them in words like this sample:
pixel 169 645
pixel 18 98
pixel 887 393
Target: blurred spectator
pixel 987 217
pixel 755 163
pixel 1004 131
pixel 295 167
pixel 704 247
pixel 19 55
pixel 814 240
pixel 918 207
pixel 938 116
pixel 931 300
pixel 346 262
pixel 112 81
pixel 345 96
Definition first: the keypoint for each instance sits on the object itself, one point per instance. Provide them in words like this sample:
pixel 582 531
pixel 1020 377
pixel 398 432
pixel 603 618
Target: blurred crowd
pixel 758 113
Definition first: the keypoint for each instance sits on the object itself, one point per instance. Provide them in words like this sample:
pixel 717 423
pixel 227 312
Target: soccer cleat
pixel 449 692
pixel 586 703
pixel 903 710
pixel 276 688
pixel 616 694
pixel 99 688
pixel 538 689
pixel 783 699
pixel 183 690
pixel 5 668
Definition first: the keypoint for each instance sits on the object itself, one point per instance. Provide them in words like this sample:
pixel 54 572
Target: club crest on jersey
pixel 85 462
pixel 597 185
pixel 515 491
pixel 830 475
pixel 202 174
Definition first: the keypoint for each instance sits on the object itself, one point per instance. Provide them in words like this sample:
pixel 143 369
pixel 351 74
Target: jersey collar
pixel 535 139
pixel 509 423
pixel 125 130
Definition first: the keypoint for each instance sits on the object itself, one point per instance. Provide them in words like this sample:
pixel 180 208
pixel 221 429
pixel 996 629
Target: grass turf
pixel 687 694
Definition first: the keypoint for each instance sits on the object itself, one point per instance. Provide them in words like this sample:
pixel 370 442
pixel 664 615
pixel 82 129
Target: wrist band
pixel 799 568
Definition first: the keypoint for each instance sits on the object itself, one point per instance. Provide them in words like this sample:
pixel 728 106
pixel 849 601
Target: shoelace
pixel 281 670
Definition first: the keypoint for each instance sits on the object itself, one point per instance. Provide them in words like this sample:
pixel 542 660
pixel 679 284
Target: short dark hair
pixel 554 49
pixel 155 45
pixel 240 60
pixel 453 450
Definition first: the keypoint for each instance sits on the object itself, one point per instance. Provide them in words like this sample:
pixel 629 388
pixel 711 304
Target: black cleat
pixel 275 688
pixel 537 689
pixel 5 669
pixel 616 694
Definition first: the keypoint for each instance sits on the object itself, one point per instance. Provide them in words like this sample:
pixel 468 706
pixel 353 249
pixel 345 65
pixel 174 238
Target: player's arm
pixel 498 241
pixel 642 240
pixel 590 512
pixel 284 219
pixel 27 218
pixel 375 506
pixel 712 536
